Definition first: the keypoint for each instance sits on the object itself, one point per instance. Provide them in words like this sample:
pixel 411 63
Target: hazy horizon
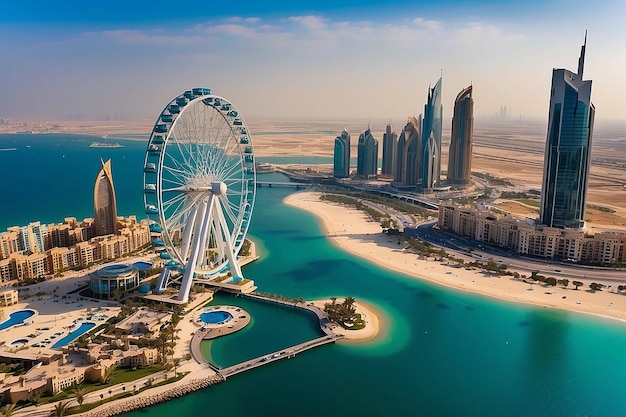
pixel 368 59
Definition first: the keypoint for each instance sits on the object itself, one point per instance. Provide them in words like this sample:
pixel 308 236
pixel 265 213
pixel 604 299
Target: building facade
pixel 105 206
pixel 367 156
pixel 573 245
pixel 408 148
pixel 568 149
pixel 390 139
pixel 430 165
pixel 341 156
pixel 461 141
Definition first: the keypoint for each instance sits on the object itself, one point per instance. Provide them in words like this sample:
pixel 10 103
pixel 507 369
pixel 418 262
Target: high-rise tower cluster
pixel 413 158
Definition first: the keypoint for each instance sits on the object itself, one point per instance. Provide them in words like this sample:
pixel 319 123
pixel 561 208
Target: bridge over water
pixel 288 352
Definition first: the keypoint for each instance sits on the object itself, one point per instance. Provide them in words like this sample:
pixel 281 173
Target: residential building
pixel 460 155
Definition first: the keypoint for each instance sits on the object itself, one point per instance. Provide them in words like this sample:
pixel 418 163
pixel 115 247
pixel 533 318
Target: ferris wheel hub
pixel 219 188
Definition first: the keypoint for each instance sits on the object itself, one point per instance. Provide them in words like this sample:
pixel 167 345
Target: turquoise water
pixel 15 318
pixel 82 329
pixel 443 353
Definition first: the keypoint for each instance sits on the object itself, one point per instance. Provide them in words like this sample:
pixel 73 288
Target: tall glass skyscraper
pixel 341 157
pixel 367 158
pixel 460 155
pixel 568 148
pixel 105 207
pixel 389 144
pixel 408 154
pixel 430 165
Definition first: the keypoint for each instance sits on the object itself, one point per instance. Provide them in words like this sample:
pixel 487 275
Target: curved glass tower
pixel 431 138
pixel 568 149
pixel 105 207
pixel 341 159
pixel 460 155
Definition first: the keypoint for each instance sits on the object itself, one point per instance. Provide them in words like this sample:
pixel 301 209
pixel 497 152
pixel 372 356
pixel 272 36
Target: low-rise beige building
pixel 8 298
pixel 537 240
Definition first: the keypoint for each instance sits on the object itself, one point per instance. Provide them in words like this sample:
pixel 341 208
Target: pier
pixel 278 355
pixel 288 352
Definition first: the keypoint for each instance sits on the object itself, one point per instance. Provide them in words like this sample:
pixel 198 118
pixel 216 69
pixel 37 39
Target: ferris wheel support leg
pixel 184 249
pixel 235 269
pixel 200 227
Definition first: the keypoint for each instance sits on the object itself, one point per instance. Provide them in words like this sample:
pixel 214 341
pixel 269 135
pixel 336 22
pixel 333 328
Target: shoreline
pixel 350 230
pixel 370 316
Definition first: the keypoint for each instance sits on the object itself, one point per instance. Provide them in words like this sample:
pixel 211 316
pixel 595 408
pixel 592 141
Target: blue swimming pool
pixel 142 266
pixel 216 317
pixel 84 328
pixel 15 318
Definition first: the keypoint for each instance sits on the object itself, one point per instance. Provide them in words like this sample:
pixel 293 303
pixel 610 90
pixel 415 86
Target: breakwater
pixel 136 402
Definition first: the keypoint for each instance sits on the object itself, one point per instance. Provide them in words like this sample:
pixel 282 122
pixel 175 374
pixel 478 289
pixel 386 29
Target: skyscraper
pixel 105 208
pixel 568 148
pixel 341 156
pixel 408 154
pixel 367 157
pixel 430 164
pixel 389 144
pixel 460 155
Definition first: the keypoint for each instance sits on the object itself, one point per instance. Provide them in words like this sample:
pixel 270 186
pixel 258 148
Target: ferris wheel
pixel 199 188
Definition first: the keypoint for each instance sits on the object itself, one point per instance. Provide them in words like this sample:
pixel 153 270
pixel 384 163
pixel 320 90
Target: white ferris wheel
pixel 199 188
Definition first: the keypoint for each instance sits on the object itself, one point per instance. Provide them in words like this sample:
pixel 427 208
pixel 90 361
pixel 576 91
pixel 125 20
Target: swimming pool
pixel 17 317
pixel 84 328
pixel 142 265
pixel 216 317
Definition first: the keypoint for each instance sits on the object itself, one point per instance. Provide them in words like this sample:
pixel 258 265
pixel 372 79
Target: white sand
pixel 351 230
pixel 368 314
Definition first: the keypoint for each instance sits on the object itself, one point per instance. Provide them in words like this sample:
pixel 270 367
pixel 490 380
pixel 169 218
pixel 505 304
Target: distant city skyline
pixel 123 61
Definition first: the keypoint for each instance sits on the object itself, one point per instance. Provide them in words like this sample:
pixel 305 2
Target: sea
pixel 441 352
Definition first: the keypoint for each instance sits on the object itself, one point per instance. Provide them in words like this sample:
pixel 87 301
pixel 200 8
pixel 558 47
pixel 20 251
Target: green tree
pixel 564 282
pixel 79 394
pixel 7 410
pixel 60 409
pixel 577 284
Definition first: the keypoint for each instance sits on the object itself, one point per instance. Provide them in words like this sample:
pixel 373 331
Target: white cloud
pixel 420 22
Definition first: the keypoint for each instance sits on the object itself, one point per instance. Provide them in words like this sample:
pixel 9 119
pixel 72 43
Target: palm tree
pixel 60 409
pixel 7 410
pixel 34 397
pixel 176 362
pixel 80 393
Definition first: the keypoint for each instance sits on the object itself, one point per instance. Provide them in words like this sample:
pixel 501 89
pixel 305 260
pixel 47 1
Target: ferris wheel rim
pixel 240 173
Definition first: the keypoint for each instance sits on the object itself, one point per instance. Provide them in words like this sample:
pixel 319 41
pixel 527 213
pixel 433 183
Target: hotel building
pixel 460 155
pixel 341 156
pixel 367 157
pixel 542 241
pixel 407 156
pixel 568 149
pixel 105 208
pixel 430 165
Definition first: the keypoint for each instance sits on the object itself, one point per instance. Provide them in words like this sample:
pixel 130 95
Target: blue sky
pixel 321 59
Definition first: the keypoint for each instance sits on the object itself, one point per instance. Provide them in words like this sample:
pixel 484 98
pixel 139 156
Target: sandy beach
pixel 369 315
pixel 353 232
